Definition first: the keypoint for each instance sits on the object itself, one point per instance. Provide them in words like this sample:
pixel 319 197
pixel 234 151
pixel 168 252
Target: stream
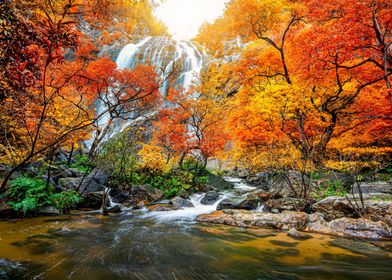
pixel 172 245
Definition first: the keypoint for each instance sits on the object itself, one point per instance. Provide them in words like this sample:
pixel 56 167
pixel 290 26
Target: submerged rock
pixel 358 247
pixel 246 202
pixel 210 198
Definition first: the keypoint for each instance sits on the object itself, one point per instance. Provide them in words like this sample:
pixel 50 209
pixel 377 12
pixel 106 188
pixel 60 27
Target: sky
pixel 184 17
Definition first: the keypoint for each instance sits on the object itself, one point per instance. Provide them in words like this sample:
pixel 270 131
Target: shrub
pixel 28 194
pixel 83 164
pixel 66 201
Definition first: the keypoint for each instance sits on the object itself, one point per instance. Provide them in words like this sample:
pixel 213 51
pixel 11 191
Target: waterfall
pixel 166 55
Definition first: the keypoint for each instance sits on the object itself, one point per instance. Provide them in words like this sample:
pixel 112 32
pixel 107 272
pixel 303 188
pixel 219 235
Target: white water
pixel 189 213
pixel 240 184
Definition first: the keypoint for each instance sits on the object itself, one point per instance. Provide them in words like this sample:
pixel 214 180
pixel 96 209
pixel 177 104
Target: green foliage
pixel 119 155
pixel 333 188
pixel 30 194
pixel 83 164
pixel 27 194
pixel 66 200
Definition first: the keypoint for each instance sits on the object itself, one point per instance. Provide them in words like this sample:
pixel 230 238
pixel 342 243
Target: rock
pixel 344 227
pixel 358 247
pixel 114 209
pixel 181 202
pixel 288 204
pixel 146 193
pixel 347 227
pixel 210 198
pixel 6 211
pixel 378 207
pixel 298 235
pixel 13 270
pixel 245 218
pixel 93 200
pixel 95 181
pixel 66 184
pixel 375 187
pixel 163 207
pixel 49 211
pixel 120 196
pixel 248 202
pixel 242 173
pixel 287 185
pixel 275 211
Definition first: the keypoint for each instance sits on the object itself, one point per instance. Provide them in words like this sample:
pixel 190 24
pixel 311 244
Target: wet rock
pixel 284 243
pixel 11 270
pixel 374 187
pixel 163 207
pixel 245 218
pixel 210 198
pixel 49 211
pixel 275 211
pixel 359 247
pixel 93 200
pixel 288 204
pixel 114 209
pixel 181 202
pixel 247 202
pixel 95 181
pixel 298 235
pixel 6 211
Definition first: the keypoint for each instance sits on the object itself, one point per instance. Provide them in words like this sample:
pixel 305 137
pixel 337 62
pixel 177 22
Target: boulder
pixel 288 204
pixel 163 207
pixel 210 198
pixel 95 181
pixel 6 211
pixel 145 193
pixel 243 218
pixel 289 184
pixel 93 200
pixel 181 202
pixel 353 228
pixel 248 202
pixel 378 207
pixel 66 184
pixel 374 187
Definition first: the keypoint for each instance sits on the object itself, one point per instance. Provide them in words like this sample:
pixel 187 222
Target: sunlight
pixel 184 17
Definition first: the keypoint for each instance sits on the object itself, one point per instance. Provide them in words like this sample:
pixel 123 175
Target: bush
pixel 27 194
pixel 333 188
pixel 66 201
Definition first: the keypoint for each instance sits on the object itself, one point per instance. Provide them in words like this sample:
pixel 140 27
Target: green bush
pixel 28 194
pixel 333 188
pixel 66 200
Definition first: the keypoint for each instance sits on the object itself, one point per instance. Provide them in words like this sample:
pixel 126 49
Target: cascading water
pixel 167 55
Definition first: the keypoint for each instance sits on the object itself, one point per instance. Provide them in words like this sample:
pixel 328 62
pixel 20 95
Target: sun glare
pixel 184 17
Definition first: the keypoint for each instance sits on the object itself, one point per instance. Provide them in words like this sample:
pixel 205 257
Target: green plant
pixel 28 194
pixel 333 188
pixel 66 200
pixel 83 164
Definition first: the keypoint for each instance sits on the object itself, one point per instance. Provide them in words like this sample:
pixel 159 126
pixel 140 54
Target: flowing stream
pixel 137 244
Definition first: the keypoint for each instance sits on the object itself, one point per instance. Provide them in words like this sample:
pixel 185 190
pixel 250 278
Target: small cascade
pixel 189 213
pixel 240 184
pixel 107 194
